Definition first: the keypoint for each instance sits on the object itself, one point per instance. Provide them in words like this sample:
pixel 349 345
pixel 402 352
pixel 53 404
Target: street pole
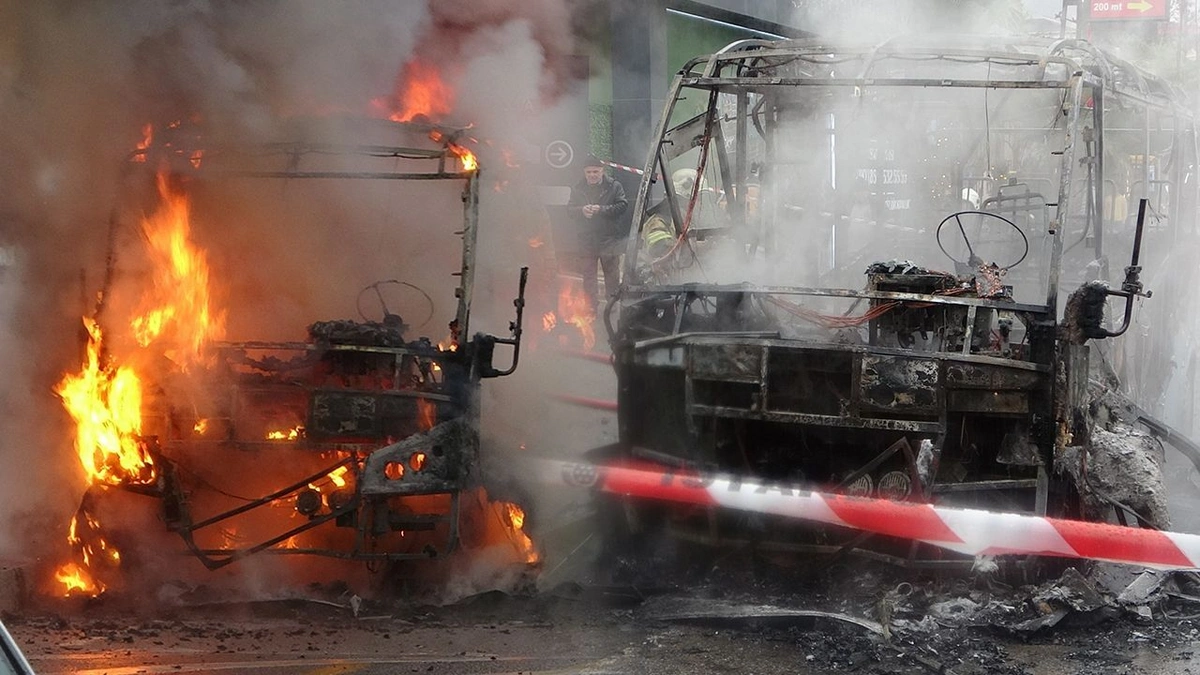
pixel 1183 7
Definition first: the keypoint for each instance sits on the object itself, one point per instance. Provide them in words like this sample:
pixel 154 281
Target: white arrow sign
pixel 559 154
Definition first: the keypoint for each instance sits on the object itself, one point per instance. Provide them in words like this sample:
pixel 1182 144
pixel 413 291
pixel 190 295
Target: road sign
pixel 1114 10
pixel 559 154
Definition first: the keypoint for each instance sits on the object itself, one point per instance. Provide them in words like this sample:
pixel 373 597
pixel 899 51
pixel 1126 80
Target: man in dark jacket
pixel 599 205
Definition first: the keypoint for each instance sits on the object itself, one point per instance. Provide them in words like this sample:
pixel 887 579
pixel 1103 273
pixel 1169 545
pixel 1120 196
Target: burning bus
pixel 875 269
pixel 360 440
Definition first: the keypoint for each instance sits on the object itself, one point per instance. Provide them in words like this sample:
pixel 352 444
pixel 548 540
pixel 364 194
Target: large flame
pixel 178 307
pixel 105 397
pixel 423 92
pixel 106 403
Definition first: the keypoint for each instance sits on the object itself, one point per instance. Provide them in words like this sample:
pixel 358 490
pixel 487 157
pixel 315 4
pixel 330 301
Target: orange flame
pixel 285 435
pixel 84 536
pixel 549 321
pixel 424 93
pixel 468 159
pixel 575 308
pixel 515 516
pixel 105 397
pixel 179 303
pixel 336 478
pixel 106 404
pixel 393 470
pixel 95 548
pixel 144 145
pixel 426 414
pixel 77 580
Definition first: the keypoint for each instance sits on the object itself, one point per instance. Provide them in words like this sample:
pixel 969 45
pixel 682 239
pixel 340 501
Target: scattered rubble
pixel 942 624
pixel 709 611
pixel 1116 464
pixel 895 623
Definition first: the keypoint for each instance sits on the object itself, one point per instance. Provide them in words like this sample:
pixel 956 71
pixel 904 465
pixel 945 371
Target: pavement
pixel 594 634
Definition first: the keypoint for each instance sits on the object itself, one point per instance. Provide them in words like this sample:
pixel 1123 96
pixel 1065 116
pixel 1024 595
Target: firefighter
pixel 707 212
pixel 658 232
pixel 656 242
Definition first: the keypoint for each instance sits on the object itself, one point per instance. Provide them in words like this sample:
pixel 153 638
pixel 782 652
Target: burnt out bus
pixel 356 439
pixel 881 270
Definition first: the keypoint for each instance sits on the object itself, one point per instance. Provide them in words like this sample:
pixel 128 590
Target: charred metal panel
pixel 367 415
pixel 896 383
pixel 652 408
pixel 962 375
pixel 1017 448
pixel 1077 375
pixel 256 411
pixel 342 414
pixel 819 382
pixel 729 362
pixel 726 394
pixel 982 401
pixel 916 426
pixel 437 461
pixel 661 357
pixel 1071 395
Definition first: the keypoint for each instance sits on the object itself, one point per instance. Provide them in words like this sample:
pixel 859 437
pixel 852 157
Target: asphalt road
pixel 541 635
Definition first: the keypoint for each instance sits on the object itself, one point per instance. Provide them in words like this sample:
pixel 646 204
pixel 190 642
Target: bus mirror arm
pixel 515 330
pixel 1132 286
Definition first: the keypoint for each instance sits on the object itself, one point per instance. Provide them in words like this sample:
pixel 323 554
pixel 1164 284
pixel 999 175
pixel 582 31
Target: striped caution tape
pixel 630 169
pixel 622 167
pixel 968 531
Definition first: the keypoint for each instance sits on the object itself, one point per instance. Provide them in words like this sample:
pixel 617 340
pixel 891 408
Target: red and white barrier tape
pixel 622 167
pixel 968 531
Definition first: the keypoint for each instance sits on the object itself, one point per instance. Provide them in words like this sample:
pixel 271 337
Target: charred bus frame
pixel 694 376
pixel 385 455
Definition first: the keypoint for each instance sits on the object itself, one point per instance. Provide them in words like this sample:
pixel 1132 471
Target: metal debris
pixel 1140 591
pixel 704 611
pixel 1074 591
